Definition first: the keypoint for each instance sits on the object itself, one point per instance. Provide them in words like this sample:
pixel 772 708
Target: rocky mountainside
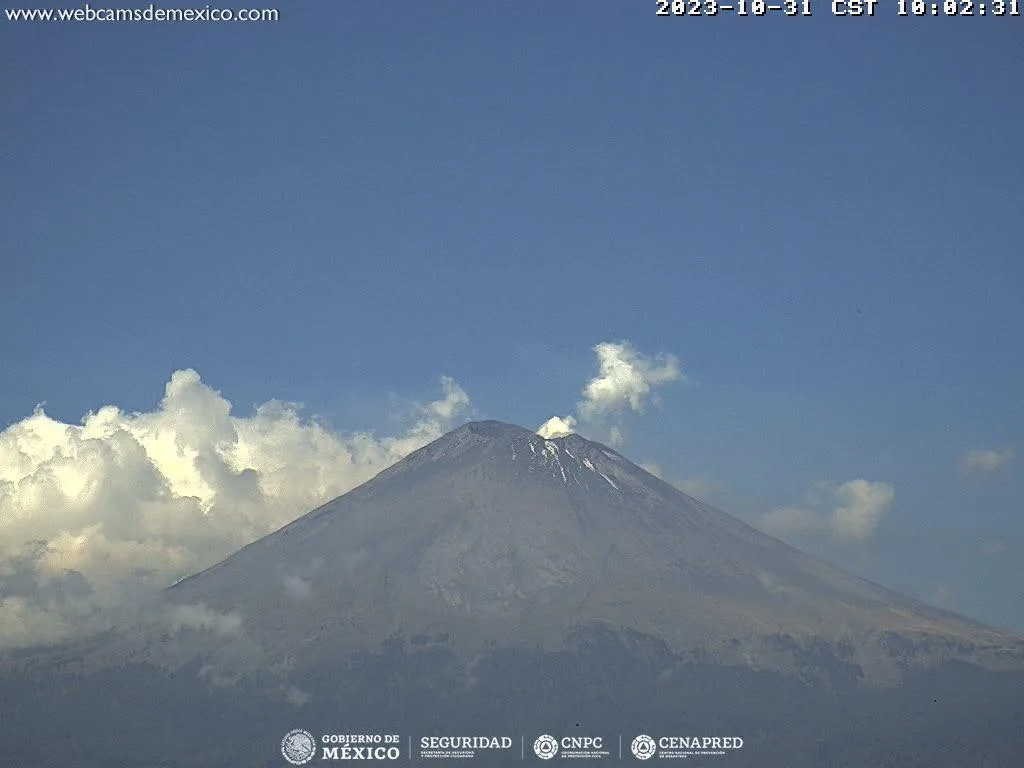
pixel 493 535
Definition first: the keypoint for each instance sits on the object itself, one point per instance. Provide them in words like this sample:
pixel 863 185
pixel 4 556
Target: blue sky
pixel 820 218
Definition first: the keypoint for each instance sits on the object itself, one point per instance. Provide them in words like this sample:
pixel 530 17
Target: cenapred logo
pixel 643 747
pixel 298 746
pixel 545 747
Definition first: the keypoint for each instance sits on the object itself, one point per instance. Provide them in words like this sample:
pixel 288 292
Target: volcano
pixel 496 581
pixel 495 535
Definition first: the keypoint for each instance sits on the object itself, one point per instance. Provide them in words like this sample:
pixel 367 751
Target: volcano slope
pixel 498 582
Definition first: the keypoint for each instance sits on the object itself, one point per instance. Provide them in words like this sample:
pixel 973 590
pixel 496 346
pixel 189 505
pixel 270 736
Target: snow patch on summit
pixel 554 456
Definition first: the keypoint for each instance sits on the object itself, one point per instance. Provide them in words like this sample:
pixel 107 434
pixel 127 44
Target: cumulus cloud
pixel 96 517
pixel 624 382
pixel 625 379
pixel 25 623
pixel 852 511
pixel 986 461
pixel 862 506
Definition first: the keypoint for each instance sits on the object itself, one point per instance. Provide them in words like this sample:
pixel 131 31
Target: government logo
pixel 643 747
pixel 545 747
pixel 298 746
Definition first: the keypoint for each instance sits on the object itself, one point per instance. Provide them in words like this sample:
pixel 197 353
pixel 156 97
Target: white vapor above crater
pixel 557 426
pixel 625 381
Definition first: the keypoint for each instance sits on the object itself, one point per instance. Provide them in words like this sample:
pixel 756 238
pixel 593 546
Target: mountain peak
pixel 513 450
pixel 490 428
pixel 498 430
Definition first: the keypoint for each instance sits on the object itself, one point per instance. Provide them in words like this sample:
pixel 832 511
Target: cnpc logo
pixel 547 746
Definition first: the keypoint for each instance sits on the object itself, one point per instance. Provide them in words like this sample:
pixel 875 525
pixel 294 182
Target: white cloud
pixel 97 517
pixel 202 619
pixel 651 467
pixel 557 426
pixel 625 382
pixel 852 511
pixel 295 696
pixel 986 461
pixel 862 506
pixel 454 403
pixel 24 623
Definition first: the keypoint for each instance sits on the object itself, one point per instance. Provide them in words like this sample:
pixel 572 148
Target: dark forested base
pixel 954 715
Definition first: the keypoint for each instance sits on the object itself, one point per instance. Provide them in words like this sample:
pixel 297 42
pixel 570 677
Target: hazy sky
pixel 807 232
